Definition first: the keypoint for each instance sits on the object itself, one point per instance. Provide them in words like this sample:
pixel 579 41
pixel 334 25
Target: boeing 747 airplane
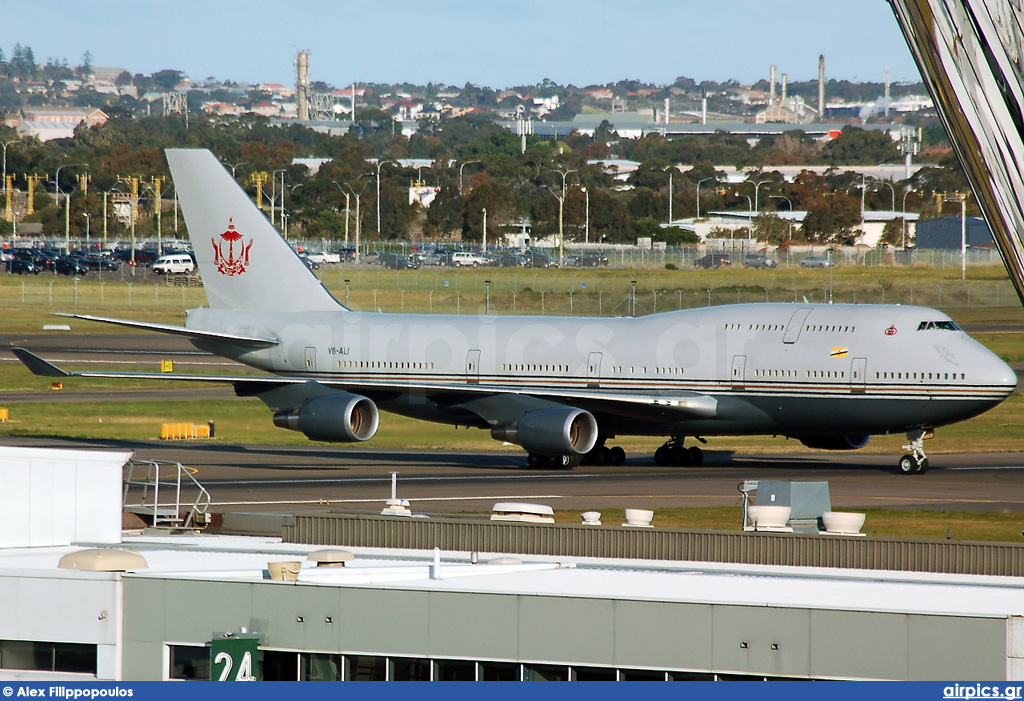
pixel 830 376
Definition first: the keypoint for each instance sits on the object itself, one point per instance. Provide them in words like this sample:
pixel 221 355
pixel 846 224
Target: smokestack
pixel 821 87
pixel 783 101
pixel 886 92
pixel 771 87
pixel 666 110
pixel 302 87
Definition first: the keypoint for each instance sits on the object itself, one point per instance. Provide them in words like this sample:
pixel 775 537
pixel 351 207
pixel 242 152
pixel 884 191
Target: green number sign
pixel 234 660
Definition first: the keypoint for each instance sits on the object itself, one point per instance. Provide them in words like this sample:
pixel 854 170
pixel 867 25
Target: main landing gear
pixel 600 454
pixel 917 462
pixel 675 453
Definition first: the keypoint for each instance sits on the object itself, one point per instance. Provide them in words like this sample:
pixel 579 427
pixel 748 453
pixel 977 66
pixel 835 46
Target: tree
pixel 167 79
pixel 85 70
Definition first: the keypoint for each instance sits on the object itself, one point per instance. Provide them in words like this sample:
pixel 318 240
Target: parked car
pixel 313 263
pixel 462 259
pixel 759 260
pixel 23 266
pixel 95 261
pixel 396 261
pixel 713 261
pixel 511 260
pixel 816 262
pixel 174 264
pixel 70 265
pixel 537 259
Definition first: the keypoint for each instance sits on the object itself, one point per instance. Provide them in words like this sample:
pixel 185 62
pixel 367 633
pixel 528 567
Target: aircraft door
pixel 739 366
pixel 795 325
pixel 859 375
pixel 473 367
pixel 311 358
pixel 594 371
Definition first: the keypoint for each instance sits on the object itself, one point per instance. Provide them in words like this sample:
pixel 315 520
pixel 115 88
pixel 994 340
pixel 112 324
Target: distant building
pixel 48 123
pixel 947 233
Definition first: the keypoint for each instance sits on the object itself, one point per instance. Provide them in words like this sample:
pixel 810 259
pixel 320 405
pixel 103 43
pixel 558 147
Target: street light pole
pixel 56 182
pixel 460 173
pixel 905 218
pixel 485 231
pixel 750 216
pixel 561 208
pixel 704 180
pixel 586 226
pixel 4 181
pixel 357 195
pixel 756 188
pixel 379 164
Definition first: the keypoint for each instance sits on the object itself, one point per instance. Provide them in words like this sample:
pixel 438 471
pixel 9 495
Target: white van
pixel 174 264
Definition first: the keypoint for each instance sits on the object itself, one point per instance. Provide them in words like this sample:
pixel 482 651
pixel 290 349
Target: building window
pixel 404 669
pixel 319 667
pixel 75 658
pixel 190 662
pixel 365 668
pixel 454 671
pixel 499 672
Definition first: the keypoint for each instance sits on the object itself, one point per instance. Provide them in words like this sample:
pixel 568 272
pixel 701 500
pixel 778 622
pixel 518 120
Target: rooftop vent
pixel 331 557
pixel 525 513
pixel 103 560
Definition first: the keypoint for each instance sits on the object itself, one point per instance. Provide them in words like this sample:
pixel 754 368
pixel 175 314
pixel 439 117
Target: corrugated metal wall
pixel 954 557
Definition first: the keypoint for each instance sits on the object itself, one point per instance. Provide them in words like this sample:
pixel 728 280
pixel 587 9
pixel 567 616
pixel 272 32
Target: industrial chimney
pixel 771 88
pixel 783 100
pixel 821 87
pixel 302 84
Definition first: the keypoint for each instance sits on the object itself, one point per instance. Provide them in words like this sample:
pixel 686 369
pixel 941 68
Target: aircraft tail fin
pixel 244 262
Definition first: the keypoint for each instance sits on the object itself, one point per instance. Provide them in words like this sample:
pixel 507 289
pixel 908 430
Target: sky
pixel 490 43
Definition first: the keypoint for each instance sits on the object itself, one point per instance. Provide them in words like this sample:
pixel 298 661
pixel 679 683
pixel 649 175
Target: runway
pixel 276 478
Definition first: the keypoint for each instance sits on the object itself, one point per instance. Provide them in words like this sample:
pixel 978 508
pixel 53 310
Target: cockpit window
pixel 938 325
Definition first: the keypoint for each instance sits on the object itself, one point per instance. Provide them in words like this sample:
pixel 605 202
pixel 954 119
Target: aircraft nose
pixel 1001 375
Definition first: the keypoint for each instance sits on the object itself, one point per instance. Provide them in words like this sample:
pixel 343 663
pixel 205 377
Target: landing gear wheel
pixel 561 462
pixel 600 456
pixel 917 462
pixel 695 455
pixel 678 456
pixel 662 456
pixel 616 456
pixel 535 461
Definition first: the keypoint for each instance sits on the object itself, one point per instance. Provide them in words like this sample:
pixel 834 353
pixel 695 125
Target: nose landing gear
pixel 916 463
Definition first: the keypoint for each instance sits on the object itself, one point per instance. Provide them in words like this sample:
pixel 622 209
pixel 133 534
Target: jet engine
pixel 835 442
pixel 554 431
pixel 341 418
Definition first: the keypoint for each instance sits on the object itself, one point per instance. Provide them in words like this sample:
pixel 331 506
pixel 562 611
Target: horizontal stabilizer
pixel 179 330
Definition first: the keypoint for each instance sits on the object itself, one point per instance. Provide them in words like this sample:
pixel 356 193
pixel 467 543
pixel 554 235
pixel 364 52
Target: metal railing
pixel 157 484
pixel 792 549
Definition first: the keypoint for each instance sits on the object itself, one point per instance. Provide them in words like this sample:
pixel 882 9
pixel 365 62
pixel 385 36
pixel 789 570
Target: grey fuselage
pixel 787 369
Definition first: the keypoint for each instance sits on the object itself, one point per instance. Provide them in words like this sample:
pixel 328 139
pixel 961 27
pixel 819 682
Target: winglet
pixel 37 365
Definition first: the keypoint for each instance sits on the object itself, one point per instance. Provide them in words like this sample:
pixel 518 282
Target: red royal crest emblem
pixel 891 331
pixel 230 261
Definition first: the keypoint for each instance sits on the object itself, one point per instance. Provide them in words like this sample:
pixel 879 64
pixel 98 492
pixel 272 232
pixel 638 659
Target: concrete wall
pixel 574 630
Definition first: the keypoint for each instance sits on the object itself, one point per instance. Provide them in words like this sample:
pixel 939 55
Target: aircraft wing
pixel 691 404
pixel 178 330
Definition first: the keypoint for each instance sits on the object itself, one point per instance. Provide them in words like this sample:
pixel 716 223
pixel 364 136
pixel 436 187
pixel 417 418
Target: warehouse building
pixel 94 602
